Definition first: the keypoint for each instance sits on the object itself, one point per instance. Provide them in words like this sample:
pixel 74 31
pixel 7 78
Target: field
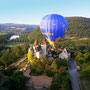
pixel 3 33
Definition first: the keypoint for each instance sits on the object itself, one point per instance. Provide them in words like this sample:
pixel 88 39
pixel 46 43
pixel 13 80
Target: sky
pixel 32 11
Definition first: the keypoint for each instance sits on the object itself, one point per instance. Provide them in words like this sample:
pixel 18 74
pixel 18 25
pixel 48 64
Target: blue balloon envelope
pixel 53 27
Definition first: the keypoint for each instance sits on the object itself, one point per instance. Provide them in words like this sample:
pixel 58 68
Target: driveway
pixel 73 75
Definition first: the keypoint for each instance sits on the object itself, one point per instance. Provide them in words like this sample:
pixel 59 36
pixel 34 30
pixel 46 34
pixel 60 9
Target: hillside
pixel 8 27
pixel 78 27
pixel 36 34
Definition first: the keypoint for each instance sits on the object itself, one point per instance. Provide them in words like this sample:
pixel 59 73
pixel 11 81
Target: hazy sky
pixel 32 11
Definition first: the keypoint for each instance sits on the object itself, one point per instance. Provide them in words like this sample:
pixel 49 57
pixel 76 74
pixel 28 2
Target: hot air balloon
pixel 53 27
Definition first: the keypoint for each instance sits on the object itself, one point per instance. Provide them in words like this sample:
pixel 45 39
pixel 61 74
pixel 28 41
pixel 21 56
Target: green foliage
pixel 15 82
pixel 36 67
pixel 9 56
pixel 21 39
pixel 62 62
pixel 3 34
pixel 35 73
pixel 61 81
pixel 1 75
pixel 36 34
pixel 9 71
pixel 1 66
pixel 54 66
pixel 2 88
pixel 81 58
pixel 85 71
pixel 18 52
pixel 22 64
pixel 49 71
pixel 25 47
pixel 83 66
pixel 3 40
pixel 78 27
pixel 5 58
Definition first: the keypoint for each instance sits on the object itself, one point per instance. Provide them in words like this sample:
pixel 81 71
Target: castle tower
pixel 44 47
pixel 36 43
pixel 43 42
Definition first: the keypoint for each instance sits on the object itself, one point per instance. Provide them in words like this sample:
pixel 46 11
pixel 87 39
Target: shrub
pixel 15 82
pixel 61 82
pixel 36 67
pixel 49 72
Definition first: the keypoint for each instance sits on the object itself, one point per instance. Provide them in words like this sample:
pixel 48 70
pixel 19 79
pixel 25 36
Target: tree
pixel 18 52
pixel 15 82
pixel 9 71
pixel 84 66
pixel 87 56
pixel 61 82
pixel 80 55
pixel 62 62
pixel 85 71
pixel 61 69
pixel 4 58
pixel 25 48
pixel 43 61
pixel 54 66
pixel 39 67
pixel 36 67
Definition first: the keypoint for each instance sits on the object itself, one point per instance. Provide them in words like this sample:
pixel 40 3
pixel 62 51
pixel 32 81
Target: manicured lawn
pixel 22 64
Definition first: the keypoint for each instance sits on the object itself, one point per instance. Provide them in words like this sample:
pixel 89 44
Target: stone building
pixel 64 54
pixel 39 50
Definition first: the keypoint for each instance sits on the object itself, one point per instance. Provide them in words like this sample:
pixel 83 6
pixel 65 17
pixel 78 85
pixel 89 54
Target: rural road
pixel 73 75
pixel 21 60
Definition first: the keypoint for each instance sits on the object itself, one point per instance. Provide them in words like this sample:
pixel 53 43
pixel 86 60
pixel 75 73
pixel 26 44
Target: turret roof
pixel 35 43
pixel 43 42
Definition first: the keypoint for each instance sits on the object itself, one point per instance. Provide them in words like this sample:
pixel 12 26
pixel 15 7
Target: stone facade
pixel 39 50
pixel 64 54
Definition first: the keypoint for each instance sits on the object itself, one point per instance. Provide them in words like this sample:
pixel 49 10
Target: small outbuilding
pixel 64 54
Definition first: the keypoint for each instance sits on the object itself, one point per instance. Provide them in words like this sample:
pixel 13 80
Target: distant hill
pixel 78 27
pixel 17 27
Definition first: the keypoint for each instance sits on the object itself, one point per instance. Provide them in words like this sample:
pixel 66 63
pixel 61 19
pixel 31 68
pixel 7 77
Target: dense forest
pixel 36 34
pixel 4 39
pixel 78 27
